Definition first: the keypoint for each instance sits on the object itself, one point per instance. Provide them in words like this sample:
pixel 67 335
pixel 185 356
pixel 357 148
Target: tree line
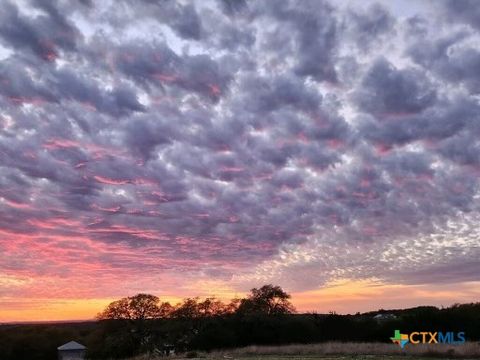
pixel 268 300
pixel 144 324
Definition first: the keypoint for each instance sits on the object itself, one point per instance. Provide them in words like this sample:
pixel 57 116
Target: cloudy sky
pixel 204 148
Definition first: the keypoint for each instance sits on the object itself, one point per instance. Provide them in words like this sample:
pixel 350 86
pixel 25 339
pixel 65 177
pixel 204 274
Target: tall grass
pixel 467 350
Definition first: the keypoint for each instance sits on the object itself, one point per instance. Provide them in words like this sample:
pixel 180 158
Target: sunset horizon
pixel 343 297
pixel 186 149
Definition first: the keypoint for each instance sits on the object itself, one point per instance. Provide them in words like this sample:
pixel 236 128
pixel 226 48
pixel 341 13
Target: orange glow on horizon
pixel 346 296
pixel 57 309
pixel 351 296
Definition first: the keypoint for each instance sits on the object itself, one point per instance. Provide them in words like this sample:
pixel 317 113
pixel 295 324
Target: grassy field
pixel 338 350
pixel 338 357
pixel 322 357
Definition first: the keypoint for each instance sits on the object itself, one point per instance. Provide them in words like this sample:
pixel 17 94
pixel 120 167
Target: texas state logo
pixel 428 337
pixel 400 339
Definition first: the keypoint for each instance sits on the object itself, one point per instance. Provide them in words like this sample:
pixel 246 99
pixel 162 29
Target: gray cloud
pixel 465 11
pixel 387 90
pixel 43 34
pixel 369 27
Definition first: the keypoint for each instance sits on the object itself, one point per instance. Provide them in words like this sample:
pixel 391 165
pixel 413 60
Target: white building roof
pixel 72 345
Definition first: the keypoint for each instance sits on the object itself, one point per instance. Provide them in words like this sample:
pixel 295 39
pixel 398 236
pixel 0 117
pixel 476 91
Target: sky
pixel 199 148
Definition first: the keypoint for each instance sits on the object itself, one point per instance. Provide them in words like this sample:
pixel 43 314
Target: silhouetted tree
pixel 233 305
pixel 192 308
pixel 269 300
pixel 136 311
pixel 212 306
pixel 188 309
pixel 166 310
pixel 138 307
